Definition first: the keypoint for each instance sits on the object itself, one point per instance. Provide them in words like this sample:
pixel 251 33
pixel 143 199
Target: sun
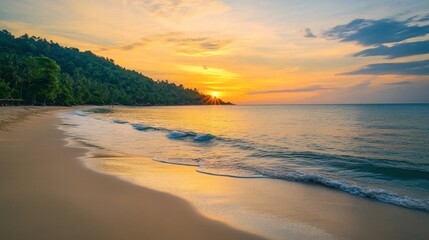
pixel 213 98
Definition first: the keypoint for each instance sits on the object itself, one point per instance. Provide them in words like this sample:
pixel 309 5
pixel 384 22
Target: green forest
pixel 41 72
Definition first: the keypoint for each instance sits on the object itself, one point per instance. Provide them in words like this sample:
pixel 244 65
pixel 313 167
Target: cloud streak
pixel 375 32
pixel 420 68
pixel 183 45
pixel 400 83
pixel 398 50
pixel 199 46
pixel 179 9
pixel 216 73
pixel 313 88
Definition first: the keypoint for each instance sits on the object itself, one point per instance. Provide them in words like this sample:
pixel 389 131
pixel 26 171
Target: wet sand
pixel 46 193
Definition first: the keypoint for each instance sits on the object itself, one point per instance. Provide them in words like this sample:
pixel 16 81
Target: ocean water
pixel 379 152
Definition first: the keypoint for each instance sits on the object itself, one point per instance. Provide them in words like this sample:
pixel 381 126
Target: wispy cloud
pixel 374 32
pixel 183 45
pixel 404 68
pixel 128 47
pixel 400 83
pixel 203 46
pixel 424 18
pixel 217 73
pixel 383 33
pixel 179 9
pixel 308 33
pixel 397 50
pixel 313 88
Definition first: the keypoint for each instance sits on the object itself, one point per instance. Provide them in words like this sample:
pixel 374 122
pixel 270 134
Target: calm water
pixel 374 151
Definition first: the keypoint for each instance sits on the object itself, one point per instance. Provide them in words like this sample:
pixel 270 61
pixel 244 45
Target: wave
pixel 305 177
pixel 203 137
pixel 172 134
pixel 382 168
pixel 80 113
pixel 179 134
pixel 181 161
pixel 195 137
pixel 376 194
pixel 118 121
pixel 229 175
pixel 140 127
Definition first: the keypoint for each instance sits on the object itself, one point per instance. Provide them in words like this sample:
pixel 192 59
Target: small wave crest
pixel 233 175
pixel 140 127
pixel 118 121
pixel 377 194
pixel 79 113
pixel 172 134
pixel 180 161
pixel 179 134
pixel 203 137
pixel 195 137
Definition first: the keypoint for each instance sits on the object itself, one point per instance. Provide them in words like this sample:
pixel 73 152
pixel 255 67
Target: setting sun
pixel 215 94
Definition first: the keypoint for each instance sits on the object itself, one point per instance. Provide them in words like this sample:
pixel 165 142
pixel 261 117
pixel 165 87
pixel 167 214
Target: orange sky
pixel 247 51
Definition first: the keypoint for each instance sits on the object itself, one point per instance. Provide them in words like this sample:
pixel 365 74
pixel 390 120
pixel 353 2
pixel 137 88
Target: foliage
pixel 43 72
pixel 44 80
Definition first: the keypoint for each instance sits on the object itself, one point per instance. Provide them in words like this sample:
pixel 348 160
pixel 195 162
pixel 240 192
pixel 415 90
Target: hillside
pixel 43 72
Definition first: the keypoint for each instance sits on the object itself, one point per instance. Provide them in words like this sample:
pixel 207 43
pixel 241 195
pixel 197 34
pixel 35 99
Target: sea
pixel 376 151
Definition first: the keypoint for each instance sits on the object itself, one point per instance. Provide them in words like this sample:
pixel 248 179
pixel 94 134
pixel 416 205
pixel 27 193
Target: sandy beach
pixel 45 193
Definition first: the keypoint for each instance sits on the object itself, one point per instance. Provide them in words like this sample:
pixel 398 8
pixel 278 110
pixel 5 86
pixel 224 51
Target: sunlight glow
pixel 240 47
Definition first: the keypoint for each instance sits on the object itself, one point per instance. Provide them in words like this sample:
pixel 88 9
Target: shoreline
pixel 46 193
pixel 14 114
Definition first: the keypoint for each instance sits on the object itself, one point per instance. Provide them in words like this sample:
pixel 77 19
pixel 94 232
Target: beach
pixel 46 193
pixel 54 187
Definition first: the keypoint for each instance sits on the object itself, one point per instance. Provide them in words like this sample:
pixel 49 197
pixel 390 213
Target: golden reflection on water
pixel 164 177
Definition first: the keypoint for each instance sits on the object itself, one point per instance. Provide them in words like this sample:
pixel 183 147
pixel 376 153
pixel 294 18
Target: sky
pixel 250 51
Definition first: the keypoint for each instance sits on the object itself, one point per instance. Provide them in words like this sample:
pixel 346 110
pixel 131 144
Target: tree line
pixel 41 72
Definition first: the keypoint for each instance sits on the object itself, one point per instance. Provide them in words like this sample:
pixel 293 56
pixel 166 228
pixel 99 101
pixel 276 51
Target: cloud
pixel 308 33
pixel 382 33
pixel 131 46
pixel 203 46
pixel 424 18
pixel 183 45
pixel 146 41
pixel 295 90
pixel 412 91
pixel 403 68
pixel 400 83
pixel 375 32
pixel 179 9
pixel 397 50
pixel 216 73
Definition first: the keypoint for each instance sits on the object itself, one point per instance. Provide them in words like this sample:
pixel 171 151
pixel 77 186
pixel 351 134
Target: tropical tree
pixel 44 80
